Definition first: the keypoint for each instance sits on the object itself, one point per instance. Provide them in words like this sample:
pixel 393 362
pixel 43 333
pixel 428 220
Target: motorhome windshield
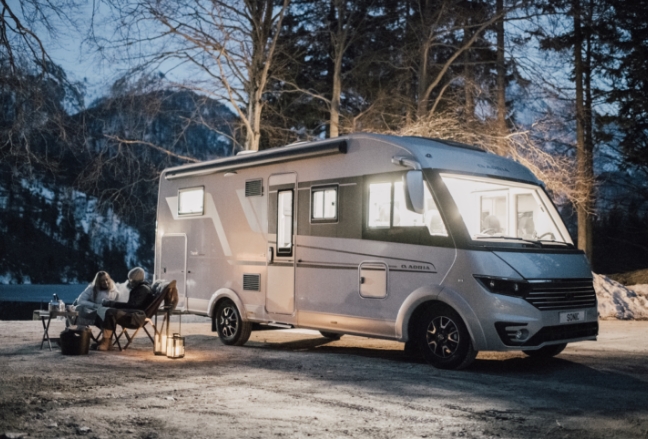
pixel 496 210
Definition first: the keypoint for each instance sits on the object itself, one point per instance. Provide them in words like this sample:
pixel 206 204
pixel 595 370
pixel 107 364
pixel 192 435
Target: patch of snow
pixel 641 289
pixel 616 301
pixel 39 189
pixel 7 279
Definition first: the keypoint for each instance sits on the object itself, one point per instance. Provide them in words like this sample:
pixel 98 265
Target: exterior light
pixel 175 346
pixel 160 347
pixel 521 334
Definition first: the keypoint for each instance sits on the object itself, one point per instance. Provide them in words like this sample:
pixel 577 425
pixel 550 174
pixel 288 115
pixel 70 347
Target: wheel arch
pixel 411 306
pixel 218 297
pixel 424 297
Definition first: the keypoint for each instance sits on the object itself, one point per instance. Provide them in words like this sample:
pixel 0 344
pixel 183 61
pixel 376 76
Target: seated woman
pixel 131 312
pixel 100 289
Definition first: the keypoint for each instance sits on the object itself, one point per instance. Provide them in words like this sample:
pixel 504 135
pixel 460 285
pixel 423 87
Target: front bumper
pixel 547 335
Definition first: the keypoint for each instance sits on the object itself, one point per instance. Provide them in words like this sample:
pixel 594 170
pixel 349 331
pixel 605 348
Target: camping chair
pixel 165 296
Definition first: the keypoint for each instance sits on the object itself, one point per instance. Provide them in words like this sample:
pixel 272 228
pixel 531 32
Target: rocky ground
pixel 297 384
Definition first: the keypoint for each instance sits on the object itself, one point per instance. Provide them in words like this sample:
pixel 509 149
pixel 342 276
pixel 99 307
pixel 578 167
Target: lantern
pixel 160 347
pixel 175 346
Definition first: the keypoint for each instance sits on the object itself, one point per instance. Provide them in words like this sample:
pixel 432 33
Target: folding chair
pixel 150 311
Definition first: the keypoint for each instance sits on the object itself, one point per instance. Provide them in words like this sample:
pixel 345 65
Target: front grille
pixel 563 332
pixel 252 282
pixel 562 294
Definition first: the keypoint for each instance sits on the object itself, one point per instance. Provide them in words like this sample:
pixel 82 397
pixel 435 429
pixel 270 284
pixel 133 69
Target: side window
pixel 285 222
pixel 387 208
pixel 324 204
pixel 402 216
pixel 191 201
pixel 380 205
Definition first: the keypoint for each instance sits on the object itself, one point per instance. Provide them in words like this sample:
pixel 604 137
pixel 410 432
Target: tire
pixel 331 335
pixel 411 350
pixel 443 338
pixel 232 330
pixel 547 351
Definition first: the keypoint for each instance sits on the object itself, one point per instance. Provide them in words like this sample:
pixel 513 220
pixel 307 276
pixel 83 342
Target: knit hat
pixel 137 274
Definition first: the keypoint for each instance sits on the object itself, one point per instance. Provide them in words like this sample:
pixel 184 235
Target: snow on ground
pixel 616 301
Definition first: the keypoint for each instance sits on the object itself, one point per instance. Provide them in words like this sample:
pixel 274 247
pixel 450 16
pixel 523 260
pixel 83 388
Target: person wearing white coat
pixel 100 289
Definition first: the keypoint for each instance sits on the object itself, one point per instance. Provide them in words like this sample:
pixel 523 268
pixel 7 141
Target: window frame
pixel 191 189
pixel 324 188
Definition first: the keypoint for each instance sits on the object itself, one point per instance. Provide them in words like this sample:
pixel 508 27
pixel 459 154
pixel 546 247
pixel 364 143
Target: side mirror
pixel 414 191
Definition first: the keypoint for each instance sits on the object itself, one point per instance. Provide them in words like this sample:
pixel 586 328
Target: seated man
pixel 131 312
pixel 491 225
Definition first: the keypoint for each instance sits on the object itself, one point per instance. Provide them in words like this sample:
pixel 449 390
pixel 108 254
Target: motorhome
pixel 440 245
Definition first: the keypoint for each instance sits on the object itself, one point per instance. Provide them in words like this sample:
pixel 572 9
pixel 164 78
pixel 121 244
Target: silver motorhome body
pixel 317 235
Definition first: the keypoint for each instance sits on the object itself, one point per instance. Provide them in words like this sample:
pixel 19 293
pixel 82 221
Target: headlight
pixel 507 287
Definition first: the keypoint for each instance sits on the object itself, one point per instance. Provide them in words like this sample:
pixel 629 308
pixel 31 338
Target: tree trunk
pixel 468 86
pixel 469 77
pixel 583 158
pixel 422 81
pixel 266 28
pixel 338 26
pixel 334 129
pixel 253 135
pixel 501 71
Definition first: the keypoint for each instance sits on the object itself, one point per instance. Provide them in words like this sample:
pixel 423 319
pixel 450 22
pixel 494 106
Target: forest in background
pixel 558 85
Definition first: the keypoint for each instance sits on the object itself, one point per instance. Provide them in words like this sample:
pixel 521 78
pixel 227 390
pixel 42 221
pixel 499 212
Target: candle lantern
pixel 160 347
pixel 175 346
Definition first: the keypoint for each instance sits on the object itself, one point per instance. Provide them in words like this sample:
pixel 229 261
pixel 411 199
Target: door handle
pixel 362 279
pixel 270 256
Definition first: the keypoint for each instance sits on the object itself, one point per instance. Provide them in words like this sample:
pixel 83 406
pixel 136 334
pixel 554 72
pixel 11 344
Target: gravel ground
pixel 294 383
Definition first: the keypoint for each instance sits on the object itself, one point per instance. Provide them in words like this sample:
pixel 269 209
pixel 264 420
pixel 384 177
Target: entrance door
pixel 173 264
pixel 280 289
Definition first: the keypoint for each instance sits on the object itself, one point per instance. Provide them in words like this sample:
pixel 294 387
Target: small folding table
pixel 47 315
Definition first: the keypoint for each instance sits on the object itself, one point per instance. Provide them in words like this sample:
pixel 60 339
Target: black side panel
pixel 403 235
pixel 272 212
pixel 349 223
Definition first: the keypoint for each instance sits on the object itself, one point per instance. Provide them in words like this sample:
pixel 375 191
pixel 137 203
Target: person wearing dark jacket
pixel 131 312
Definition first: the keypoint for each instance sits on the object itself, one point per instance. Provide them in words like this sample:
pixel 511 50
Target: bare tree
pixel 557 171
pixel 435 24
pixel 224 49
pixel 501 68
pixel 583 152
pixel 33 89
pixel 344 28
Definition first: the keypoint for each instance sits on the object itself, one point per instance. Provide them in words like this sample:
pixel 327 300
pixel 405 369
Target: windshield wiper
pixel 550 241
pixel 536 242
pixel 511 238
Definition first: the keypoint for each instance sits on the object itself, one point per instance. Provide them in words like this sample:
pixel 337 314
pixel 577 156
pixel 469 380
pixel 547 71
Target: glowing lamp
pixel 160 345
pixel 175 346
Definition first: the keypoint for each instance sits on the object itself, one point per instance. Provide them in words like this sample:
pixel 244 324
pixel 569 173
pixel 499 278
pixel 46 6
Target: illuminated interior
pixel 284 223
pixel 493 208
pixel 387 208
pixel 191 201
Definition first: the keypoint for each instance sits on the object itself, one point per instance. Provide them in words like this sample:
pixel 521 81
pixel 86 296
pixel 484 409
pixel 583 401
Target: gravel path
pixel 294 383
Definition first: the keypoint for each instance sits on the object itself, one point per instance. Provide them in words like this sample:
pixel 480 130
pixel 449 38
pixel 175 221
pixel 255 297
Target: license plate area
pixel 572 317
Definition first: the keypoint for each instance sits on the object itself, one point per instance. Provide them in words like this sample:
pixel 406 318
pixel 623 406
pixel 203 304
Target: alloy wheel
pixel 442 337
pixel 228 322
